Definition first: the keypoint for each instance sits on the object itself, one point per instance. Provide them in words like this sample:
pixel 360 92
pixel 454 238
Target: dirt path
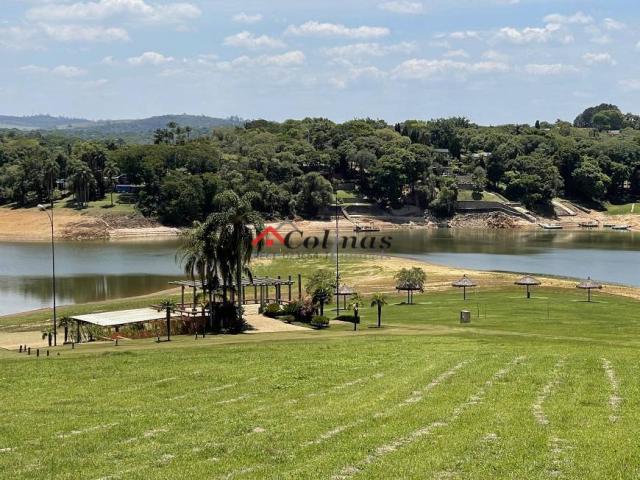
pixel 262 324
pixel 12 341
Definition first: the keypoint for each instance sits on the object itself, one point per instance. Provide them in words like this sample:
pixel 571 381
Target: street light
pixel 53 268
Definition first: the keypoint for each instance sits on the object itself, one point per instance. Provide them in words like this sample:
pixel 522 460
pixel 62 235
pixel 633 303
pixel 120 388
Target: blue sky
pixel 494 61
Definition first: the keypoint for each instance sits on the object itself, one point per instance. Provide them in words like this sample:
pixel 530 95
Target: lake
pixel 91 271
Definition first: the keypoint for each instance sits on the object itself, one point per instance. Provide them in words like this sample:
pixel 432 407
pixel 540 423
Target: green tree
pixel 321 286
pixel 111 173
pixel 378 300
pixel 411 279
pixel 236 221
pixel 590 181
pixel 445 202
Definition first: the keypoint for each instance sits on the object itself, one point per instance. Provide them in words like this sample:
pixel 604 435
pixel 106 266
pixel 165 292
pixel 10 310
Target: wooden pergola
pixel 409 287
pixel 259 285
pixel 528 282
pixel 464 283
pixel 589 285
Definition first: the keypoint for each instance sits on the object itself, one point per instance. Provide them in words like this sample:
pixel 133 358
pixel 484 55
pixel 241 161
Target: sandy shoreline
pixel 30 224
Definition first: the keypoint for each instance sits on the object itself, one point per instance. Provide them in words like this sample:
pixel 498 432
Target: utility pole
pixel 337 260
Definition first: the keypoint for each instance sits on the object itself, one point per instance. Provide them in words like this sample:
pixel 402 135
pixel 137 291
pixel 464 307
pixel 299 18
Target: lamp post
pixel 337 259
pixel 53 269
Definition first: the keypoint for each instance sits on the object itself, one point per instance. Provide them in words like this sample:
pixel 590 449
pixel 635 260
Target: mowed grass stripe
pixel 495 438
pixel 351 446
pixel 280 439
pixel 382 450
pixel 580 415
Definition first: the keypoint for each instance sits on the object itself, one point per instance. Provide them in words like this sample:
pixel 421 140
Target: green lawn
pixel 540 388
pixel 466 195
pixel 99 207
pixel 623 209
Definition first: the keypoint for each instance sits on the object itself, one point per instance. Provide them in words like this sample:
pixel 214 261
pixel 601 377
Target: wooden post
pixel 194 298
pixel 182 296
pixel 168 324
pixel 299 287
pixel 255 293
pixel 289 288
pixel 78 332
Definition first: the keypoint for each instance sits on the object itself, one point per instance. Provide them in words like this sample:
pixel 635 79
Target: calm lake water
pixel 90 271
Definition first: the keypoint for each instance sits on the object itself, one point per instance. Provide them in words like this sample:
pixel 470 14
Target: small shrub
pixel 306 310
pixel 346 318
pixel 319 321
pixel 272 310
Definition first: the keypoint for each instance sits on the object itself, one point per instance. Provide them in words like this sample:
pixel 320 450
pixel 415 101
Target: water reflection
pixel 93 271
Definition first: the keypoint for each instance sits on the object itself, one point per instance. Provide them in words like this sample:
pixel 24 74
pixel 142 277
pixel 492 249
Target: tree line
pixel 293 168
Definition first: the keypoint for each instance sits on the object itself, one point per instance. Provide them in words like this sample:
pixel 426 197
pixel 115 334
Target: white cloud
pixel 248 40
pixel 104 9
pixel 64 71
pixel 495 55
pixel 464 35
pixel 17 38
pixel 550 32
pixel 243 17
pixel 150 58
pixel 355 73
pixel 597 58
pixel 576 18
pixel 402 6
pixel 68 71
pixel 422 69
pixel 456 53
pixel 288 59
pixel 317 29
pixel 631 84
pixel 359 51
pixel 546 69
pixel 79 33
pixel 611 24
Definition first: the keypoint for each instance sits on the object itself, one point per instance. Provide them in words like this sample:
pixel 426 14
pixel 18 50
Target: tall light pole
pixel 337 260
pixel 53 269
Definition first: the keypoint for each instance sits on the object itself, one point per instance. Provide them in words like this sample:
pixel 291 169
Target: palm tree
pixel 235 224
pixel 321 286
pixel 170 306
pixel 66 323
pixel 111 172
pixel 378 300
pixel 198 255
pixel 82 181
pixel 51 171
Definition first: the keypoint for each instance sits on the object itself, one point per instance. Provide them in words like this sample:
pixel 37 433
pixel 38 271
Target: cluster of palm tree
pixel 217 252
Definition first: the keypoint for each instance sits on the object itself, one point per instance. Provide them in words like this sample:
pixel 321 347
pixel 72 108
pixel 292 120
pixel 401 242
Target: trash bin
pixel 465 316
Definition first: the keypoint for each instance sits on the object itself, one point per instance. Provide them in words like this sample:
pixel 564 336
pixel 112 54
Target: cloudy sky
pixel 493 61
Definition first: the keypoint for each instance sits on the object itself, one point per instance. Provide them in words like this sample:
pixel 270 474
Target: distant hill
pixel 138 130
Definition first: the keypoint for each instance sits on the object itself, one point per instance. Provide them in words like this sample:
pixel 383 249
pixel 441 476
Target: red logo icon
pixel 266 234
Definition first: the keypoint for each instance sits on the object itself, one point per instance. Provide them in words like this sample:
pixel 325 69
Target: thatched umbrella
pixel 528 281
pixel 464 283
pixel 344 291
pixel 589 285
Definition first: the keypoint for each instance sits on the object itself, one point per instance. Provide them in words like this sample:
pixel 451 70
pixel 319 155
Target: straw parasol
pixel 464 283
pixel 528 281
pixel 589 285
pixel 344 291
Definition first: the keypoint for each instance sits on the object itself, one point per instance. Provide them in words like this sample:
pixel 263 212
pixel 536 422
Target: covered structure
pixel 528 282
pixel 119 318
pixel 589 285
pixel 464 283
pixel 259 285
pixel 344 291
pixel 409 287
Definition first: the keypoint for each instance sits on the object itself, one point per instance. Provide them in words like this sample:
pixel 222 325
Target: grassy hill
pixel 540 388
